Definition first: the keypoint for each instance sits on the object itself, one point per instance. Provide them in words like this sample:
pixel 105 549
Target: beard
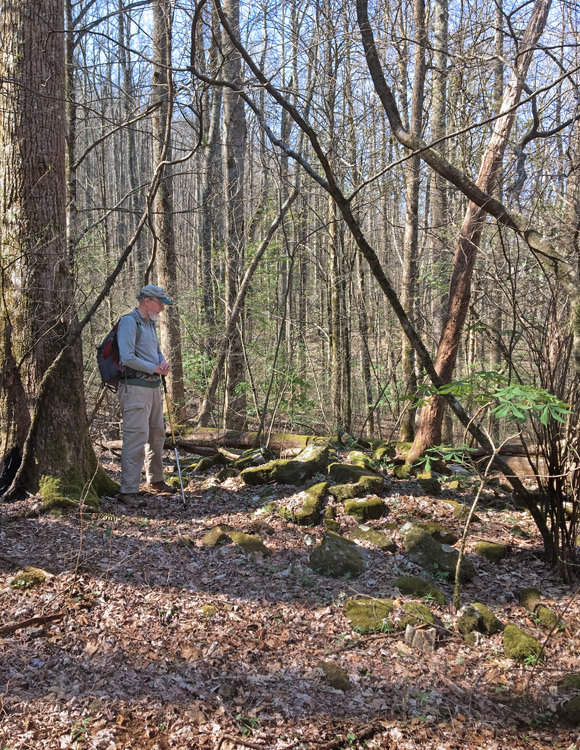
pixel 153 317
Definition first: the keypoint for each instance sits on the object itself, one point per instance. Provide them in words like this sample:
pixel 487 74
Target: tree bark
pixel 163 226
pixel 429 430
pixel 37 285
pixel 411 236
pixel 235 131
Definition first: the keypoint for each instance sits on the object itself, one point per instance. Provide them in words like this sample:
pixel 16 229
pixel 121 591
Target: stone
pixel 383 451
pixel 548 618
pixel 337 556
pixel 335 675
pixel 491 551
pixel 331 525
pixel 347 473
pixel 421 639
pixel 311 510
pixel 365 508
pixel 253 457
pixel 413 586
pixel 369 615
pixel 372 536
pixel 366 485
pixel 468 621
pixel 310 461
pixel 218 535
pixel 528 598
pixel 429 485
pixel 461 511
pixel 207 463
pixel 226 473
pixel 402 471
pixel 434 557
pixel 488 623
pixel 571 682
pixel 570 711
pixel 358 458
pixel 440 533
pixel 415 614
pixel 519 645
pixel 258 524
pixel 249 543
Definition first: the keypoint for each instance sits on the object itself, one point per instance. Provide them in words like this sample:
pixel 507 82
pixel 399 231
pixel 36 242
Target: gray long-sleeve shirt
pixel 138 350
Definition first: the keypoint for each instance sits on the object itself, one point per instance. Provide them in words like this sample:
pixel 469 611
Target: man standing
pixel 140 395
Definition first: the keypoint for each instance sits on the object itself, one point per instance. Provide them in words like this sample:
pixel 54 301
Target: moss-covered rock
pixel 548 618
pixel 461 511
pixel 570 711
pixel 529 598
pixel 337 556
pixel 312 460
pixel 366 485
pixel 439 533
pixel 468 621
pixel 429 485
pixel 403 447
pixel 253 457
pixel 365 508
pixel 358 458
pixel 331 525
pixel 383 451
pixel 488 623
pixel 372 536
pixel 335 675
pixel 402 471
pixel 311 510
pixel 347 473
pixel 369 615
pixel 217 536
pixel 249 543
pixel 413 586
pixel 208 462
pixel 29 577
pixel 226 473
pixel 434 557
pixel 491 551
pixel 570 682
pixel 519 645
pixel 415 614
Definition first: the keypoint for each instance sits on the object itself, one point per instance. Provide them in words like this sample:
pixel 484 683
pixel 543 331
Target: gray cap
pixel 151 290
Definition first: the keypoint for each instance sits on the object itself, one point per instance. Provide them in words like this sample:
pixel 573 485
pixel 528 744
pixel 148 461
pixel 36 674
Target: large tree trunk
pixel 429 430
pixel 37 286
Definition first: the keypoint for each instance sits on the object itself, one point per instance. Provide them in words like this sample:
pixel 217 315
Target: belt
pixel 137 375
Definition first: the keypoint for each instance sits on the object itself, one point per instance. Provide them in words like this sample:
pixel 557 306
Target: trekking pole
pixel 173 438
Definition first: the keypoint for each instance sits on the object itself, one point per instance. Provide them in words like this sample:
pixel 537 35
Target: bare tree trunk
pixel 429 431
pixel 411 238
pixel 212 184
pixel 139 255
pixel 163 228
pixel 235 131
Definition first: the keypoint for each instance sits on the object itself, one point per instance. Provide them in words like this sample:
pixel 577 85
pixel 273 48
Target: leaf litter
pixel 161 642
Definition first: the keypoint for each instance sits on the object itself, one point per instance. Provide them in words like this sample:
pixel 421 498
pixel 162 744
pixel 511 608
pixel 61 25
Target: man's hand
pixel 163 368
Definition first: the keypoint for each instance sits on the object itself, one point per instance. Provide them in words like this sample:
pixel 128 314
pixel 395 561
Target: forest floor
pixel 161 642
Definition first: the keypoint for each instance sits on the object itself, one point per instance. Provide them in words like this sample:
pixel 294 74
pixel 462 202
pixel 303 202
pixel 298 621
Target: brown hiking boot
pixel 160 488
pixel 130 499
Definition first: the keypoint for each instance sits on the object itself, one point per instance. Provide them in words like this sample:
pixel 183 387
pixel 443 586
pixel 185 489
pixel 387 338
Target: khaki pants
pixel 143 435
